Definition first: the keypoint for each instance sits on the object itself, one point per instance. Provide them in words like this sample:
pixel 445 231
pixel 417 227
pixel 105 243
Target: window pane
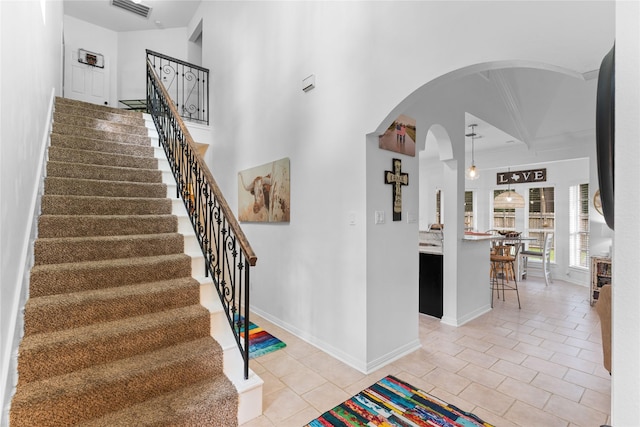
pixel 541 216
pixel 579 225
pixel 542 208
pixel 468 210
pixel 503 219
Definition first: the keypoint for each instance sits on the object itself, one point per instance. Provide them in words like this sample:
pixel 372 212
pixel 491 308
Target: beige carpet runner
pixel 114 331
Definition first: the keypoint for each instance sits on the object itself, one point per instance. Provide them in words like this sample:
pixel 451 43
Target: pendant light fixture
pixel 472 171
pixel 508 199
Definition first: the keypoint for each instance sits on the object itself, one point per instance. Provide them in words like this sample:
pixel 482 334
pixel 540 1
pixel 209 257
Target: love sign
pixel 518 177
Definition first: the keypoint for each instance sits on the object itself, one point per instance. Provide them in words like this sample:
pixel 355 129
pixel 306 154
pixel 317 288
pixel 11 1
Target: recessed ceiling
pixel 163 14
pixel 488 137
pixel 516 108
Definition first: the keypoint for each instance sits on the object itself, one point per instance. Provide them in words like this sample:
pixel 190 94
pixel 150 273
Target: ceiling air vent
pixel 133 7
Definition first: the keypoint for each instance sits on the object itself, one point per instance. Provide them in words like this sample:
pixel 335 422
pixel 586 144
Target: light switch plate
pixel 379 217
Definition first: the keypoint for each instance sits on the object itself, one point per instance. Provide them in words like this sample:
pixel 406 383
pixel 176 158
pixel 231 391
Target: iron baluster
pixel 228 256
pixel 186 83
pixel 246 316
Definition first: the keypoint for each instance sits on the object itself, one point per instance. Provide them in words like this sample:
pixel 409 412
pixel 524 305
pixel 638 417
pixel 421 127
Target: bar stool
pixel 502 268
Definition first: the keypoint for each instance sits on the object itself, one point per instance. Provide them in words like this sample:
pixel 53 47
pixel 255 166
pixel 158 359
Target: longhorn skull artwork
pixel 264 193
pixel 259 188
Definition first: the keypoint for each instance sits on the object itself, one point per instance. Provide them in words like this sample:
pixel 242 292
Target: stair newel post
pixel 246 316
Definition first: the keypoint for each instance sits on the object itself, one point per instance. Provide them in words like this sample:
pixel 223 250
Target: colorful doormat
pixel 261 342
pixel 394 403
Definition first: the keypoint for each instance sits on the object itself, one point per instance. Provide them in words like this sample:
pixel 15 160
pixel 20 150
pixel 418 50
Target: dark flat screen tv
pixel 605 127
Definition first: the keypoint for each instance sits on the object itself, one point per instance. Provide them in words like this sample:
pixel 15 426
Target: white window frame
pixel 542 230
pixel 578 218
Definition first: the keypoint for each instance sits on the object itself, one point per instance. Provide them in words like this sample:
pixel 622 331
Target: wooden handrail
pixel 224 206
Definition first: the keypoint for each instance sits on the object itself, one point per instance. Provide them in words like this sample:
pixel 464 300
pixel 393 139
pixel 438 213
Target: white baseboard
pixel 459 321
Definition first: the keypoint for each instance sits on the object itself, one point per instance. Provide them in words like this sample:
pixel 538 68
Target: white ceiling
pixel 516 108
pixel 164 14
pixel 513 107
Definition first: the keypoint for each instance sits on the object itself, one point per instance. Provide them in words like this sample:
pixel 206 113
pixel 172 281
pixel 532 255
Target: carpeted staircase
pixel 114 331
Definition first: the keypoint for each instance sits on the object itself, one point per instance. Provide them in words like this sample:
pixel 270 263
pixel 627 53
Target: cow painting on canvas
pixel 263 193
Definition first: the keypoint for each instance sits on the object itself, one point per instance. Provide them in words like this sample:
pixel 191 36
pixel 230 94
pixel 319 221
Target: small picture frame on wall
pixel 400 137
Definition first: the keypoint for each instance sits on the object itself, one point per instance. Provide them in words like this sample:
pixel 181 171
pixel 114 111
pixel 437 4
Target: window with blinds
pixel 579 225
pixel 503 219
pixel 542 216
pixel 468 210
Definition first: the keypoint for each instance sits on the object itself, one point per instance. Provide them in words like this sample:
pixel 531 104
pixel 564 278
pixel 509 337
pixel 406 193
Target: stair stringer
pixel 249 390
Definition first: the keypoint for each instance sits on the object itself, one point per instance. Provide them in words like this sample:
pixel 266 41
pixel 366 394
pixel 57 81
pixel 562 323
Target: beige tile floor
pixel 538 366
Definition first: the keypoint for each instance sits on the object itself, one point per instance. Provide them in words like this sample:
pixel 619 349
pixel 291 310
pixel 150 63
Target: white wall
pixel 132 56
pixel 391 285
pixel 625 389
pixel 310 272
pixel 125 52
pixel 310 275
pixel 83 35
pixel 30 74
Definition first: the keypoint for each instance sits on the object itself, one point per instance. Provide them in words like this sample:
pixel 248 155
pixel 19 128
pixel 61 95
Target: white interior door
pixel 85 82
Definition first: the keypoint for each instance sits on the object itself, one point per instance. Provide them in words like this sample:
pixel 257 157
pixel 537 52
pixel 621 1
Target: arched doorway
pixel 514 97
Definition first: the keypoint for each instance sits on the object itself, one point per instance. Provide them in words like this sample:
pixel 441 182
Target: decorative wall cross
pixel 397 179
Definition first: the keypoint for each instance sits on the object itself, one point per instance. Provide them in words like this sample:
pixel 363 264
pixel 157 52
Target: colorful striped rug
pixel 261 342
pixel 393 403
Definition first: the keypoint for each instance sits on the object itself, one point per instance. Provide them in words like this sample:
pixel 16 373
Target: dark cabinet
pixel 430 285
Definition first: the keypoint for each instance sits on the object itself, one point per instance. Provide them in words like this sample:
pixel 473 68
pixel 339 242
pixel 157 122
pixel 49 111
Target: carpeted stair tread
pixel 108 115
pixel 72 310
pixel 92 122
pixel 103 173
pixel 62 103
pixel 70 155
pixel 64 129
pixel 56 204
pixel 96 391
pixel 105 225
pixel 52 279
pixel 95 187
pixel 209 403
pixel 82 143
pixel 114 332
pixel 60 352
pixel 95 248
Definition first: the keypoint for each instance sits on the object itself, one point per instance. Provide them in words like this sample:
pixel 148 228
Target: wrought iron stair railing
pixel 187 84
pixel 227 253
